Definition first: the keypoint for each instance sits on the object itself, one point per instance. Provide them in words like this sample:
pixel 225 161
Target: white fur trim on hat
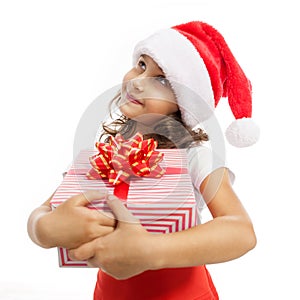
pixel 185 70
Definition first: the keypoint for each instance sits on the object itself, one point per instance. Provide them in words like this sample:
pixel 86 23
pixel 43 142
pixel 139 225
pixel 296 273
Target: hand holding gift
pixel 125 252
pixel 72 223
pixel 159 194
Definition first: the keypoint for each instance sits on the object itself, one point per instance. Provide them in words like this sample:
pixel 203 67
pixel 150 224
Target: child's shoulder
pixel 203 160
pixel 201 148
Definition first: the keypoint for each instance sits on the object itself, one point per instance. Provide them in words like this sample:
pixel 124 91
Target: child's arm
pixel 228 236
pixel 130 249
pixel 70 224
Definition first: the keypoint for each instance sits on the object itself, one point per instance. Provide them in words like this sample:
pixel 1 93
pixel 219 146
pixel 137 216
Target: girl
pixel 178 77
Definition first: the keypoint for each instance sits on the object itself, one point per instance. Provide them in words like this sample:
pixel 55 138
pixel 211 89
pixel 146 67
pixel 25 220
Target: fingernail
pixel 111 197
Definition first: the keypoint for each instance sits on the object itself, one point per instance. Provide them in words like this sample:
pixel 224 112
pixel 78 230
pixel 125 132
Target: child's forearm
pixel 222 239
pixel 35 231
pixel 227 236
pixel 71 223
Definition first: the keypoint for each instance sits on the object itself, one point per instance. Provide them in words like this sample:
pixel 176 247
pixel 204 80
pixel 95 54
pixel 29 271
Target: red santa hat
pixel 197 61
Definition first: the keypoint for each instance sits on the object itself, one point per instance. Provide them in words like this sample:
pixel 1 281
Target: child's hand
pixel 72 224
pixel 122 254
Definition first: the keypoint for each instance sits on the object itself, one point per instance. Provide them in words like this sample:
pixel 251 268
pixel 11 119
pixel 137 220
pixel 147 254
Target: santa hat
pixel 197 61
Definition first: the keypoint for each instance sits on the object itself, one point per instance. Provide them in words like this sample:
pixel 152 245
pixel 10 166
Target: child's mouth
pixel 131 99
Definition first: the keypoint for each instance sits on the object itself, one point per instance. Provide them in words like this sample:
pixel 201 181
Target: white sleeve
pixel 202 161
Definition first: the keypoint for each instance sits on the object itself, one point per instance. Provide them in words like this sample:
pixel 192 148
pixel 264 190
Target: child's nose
pixel 138 83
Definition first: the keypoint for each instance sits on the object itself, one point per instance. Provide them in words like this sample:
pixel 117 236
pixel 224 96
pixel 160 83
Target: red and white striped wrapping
pixel 162 205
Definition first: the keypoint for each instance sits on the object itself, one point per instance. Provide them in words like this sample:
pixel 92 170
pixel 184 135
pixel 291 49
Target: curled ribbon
pixel 120 159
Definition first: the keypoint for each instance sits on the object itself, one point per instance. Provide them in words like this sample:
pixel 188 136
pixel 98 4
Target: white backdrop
pixel 56 57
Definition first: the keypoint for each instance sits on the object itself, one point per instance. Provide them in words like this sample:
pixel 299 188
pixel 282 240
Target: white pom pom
pixel 242 133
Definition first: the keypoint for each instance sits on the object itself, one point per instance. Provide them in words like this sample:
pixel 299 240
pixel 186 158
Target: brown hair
pixel 169 132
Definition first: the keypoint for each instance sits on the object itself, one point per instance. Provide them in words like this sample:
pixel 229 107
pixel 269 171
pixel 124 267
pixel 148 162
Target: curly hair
pixel 169 132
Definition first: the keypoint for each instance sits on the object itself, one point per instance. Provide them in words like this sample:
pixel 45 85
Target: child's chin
pixel 125 110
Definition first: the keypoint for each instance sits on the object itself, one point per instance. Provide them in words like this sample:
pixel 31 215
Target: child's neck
pixel 143 129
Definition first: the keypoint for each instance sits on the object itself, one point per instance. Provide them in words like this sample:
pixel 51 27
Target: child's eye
pixel 141 64
pixel 163 80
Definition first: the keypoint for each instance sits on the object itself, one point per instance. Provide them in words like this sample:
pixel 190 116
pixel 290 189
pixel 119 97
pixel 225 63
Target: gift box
pixel 163 203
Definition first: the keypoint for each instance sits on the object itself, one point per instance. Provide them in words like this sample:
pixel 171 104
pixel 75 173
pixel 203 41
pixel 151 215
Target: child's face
pixel 146 94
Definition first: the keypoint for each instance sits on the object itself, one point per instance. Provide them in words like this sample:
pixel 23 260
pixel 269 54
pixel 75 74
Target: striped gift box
pixel 162 205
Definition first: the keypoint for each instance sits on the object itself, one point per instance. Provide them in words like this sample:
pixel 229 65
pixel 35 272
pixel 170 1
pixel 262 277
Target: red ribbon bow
pixel 120 159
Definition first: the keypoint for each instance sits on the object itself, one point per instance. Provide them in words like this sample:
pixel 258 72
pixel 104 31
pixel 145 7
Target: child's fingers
pixel 103 230
pixel 87 197
pixel 106 218
pixel 121 213
pixel 83 252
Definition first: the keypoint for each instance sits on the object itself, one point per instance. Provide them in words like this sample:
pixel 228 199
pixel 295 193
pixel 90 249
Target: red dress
pixel 167 284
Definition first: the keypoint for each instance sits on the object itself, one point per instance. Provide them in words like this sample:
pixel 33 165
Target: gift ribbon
pixel 120 159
